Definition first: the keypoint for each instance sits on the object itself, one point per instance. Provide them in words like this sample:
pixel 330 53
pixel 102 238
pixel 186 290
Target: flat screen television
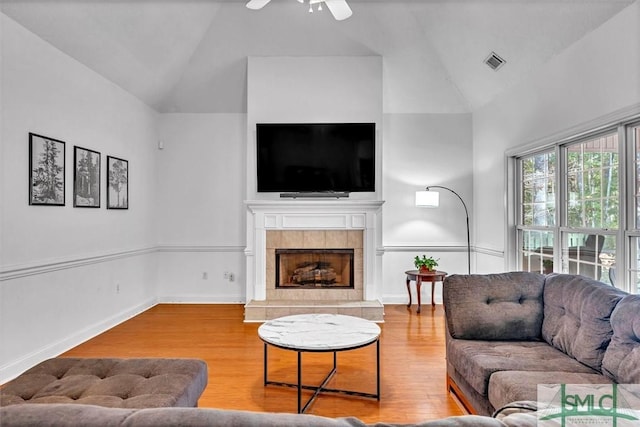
pixel 315 157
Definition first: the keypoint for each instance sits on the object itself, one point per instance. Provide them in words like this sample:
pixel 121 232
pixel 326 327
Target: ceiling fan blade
pixel 257 4
pixel 339 9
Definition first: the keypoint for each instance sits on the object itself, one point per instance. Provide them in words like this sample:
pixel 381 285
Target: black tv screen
pixel 316 157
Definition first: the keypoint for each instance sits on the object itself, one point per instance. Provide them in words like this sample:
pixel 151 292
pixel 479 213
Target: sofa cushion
pixel 576 316
pixel 505 306
pixel 508 386
pixel 477 360
pixel 621 361
pixel 88 416
pixel 126 383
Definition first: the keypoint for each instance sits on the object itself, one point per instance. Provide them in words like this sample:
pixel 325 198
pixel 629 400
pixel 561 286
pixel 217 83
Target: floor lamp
pixel 431 199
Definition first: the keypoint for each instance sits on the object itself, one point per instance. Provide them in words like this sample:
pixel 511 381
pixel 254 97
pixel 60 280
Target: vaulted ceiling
pixel 191 55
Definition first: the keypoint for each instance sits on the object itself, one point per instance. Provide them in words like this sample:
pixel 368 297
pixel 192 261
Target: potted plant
pixel 425 264
pixel 547 266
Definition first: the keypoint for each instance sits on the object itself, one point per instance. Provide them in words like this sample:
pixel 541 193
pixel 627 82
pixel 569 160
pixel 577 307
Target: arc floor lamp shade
pixel 427 199
pixel 431 199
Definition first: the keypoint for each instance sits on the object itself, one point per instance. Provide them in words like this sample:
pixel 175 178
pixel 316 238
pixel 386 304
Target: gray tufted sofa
pixel 509 332
pixel 70 415
pixel 109 382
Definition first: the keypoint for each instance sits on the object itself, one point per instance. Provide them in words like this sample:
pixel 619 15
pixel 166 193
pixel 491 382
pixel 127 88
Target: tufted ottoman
pixel 118 383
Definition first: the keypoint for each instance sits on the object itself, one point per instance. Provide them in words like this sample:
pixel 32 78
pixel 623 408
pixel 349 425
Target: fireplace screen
pixel 314 268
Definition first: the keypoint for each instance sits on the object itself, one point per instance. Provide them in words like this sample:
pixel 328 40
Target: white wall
pixel 201 173
pixel 597 76
pixel 421 150
pixel 200 203
pixel 312 90
pixel 67 273
pixel 202 230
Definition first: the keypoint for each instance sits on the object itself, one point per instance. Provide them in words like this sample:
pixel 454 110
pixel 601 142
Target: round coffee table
pixel 330 333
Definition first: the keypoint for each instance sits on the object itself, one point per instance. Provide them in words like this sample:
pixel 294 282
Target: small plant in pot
pixel 425 264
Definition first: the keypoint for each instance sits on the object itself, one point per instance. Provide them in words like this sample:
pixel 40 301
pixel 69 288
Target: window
pixel 634 211
pixel 591 206
pixel 538 210
pixel 538 189
pixel 592 183
pixel 577 207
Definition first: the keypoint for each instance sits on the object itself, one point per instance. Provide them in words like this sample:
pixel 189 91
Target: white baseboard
pixel 198 299
pixel 398 299
pixel 16 367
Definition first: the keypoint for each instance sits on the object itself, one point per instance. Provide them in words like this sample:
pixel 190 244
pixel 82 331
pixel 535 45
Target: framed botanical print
pixel 86 178
pixel 46 171
pixel 117 183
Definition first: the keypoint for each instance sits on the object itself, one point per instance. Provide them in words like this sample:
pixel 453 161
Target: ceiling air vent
pixel 494 61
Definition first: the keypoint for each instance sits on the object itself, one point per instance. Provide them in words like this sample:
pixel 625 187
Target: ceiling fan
pixel 338 8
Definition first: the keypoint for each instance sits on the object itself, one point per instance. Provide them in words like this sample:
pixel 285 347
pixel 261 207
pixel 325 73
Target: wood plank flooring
pixel 412 362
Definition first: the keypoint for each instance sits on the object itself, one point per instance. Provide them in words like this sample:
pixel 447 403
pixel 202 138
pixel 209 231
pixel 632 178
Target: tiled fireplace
pixel 317 242
pixel 325 252
pixel 313 268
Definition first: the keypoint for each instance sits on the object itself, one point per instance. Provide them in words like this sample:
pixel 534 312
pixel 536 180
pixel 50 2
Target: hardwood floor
pixel 412 362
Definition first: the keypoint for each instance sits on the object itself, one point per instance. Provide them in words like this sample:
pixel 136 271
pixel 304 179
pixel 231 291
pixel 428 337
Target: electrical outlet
pixel 226 275
pixel 231 277
pixel 205 275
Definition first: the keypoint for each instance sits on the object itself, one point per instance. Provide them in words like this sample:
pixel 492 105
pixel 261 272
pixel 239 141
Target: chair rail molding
pixel 49 265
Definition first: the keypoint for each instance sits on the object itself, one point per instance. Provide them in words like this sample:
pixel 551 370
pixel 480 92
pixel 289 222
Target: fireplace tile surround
pixel 318 224
pixel 314 239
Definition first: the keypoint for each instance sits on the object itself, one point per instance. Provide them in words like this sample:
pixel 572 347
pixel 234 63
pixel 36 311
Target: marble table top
pixel 319 332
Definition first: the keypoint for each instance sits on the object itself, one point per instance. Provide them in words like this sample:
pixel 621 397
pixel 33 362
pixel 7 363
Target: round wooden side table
pixel 419 277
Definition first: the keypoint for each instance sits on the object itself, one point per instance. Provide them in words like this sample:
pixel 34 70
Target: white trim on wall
pixel 48 266
pixel 199 248
pixel 199 299
pixel 429 248
pixel 451 249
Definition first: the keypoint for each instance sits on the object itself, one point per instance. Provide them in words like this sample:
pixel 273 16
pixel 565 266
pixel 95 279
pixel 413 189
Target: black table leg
pixel 265 364
pixel 299 382
pixel 378 370
pixel 323 386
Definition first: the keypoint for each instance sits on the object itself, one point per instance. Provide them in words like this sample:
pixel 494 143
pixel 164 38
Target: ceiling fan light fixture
pixel 338 8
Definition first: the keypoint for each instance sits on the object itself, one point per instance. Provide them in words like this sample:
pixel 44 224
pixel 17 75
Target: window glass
pixel 637 169
pixel 591 255
pixel 537 251
pixel 635 265
pixel 592 183
pixel 538 189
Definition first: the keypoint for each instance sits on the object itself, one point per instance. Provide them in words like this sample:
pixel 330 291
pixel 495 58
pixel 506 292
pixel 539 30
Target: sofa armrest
pixel 506 306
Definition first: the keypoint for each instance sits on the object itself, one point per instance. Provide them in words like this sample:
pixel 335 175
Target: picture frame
pixel 86 178
pixel 117 183
pixel 46 171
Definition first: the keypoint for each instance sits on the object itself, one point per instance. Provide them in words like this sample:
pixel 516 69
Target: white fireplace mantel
pixel 313 214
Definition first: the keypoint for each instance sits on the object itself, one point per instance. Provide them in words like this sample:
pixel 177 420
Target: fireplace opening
pixel 314 268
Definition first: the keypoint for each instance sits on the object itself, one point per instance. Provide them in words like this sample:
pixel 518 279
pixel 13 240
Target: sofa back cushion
pixel 506 306
pixel 621 361
pixel 577 313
